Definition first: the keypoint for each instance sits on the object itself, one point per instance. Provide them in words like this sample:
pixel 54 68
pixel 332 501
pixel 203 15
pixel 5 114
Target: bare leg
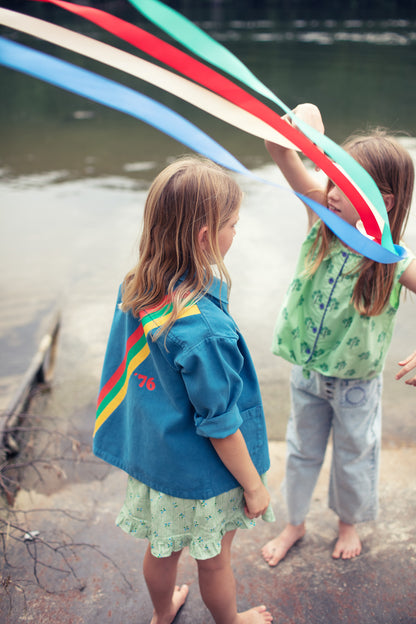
pixel 348 544
pixel 276 549
pixel 218 591
pixel 160 576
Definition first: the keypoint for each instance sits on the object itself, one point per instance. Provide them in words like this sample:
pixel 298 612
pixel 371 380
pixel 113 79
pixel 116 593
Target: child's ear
pixel 389 201
pixel 203 238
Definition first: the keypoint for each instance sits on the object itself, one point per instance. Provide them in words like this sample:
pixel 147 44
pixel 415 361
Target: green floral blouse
pixel 318 327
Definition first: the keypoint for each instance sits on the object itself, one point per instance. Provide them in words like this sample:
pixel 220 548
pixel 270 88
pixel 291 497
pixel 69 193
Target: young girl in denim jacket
pixel 335 326
pixel 179 407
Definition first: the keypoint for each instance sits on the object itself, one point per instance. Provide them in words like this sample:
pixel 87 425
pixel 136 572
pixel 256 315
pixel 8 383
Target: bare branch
pixel 42 451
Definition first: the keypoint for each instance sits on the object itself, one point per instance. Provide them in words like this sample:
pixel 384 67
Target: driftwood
pixel 40 371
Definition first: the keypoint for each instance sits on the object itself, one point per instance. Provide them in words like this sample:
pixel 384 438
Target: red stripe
pixel 131 341
pixel 211 79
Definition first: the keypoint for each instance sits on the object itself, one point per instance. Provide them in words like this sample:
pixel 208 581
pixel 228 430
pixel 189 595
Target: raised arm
pixel 292 166
pixel 234 454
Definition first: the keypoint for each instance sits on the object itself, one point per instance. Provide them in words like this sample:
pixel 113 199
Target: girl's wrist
pixel 253 487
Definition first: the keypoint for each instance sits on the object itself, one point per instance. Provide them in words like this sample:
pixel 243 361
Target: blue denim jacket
pixel 160 401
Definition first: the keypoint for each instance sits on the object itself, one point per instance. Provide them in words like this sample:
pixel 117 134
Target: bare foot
pixel 257 615
pixel 348 544
pixel 178 599
pixel 275 550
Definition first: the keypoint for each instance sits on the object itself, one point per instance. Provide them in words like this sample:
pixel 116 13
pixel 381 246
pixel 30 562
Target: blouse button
pixel 331 280
pixel 321 305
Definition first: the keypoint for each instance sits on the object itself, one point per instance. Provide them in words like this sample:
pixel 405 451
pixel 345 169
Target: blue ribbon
pixel 114 95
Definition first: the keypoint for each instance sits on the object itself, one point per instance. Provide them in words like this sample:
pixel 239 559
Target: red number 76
pixel 149 382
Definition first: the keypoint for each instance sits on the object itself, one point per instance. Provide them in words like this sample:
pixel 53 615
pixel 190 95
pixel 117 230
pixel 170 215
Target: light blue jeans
pixel 352 410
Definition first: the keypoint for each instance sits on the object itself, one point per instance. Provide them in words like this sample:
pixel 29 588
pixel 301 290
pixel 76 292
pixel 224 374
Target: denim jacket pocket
pixel 253 429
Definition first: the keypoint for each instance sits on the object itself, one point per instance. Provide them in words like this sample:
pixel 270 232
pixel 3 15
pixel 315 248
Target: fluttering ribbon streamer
pixel 200 43
pixel 104 91
pixel 181 87
pixel 374 224
pixel 114 95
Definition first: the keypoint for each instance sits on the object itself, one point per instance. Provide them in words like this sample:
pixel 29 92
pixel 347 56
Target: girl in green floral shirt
pixel 335 327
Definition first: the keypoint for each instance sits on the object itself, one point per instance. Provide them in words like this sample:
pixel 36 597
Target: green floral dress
pixel 171 523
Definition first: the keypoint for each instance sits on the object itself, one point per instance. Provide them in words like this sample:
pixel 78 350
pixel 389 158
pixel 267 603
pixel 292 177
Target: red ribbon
pixel 221 85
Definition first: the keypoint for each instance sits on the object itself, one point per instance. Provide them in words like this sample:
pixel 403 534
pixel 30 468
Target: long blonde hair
pixel 391 168
pixel 186 196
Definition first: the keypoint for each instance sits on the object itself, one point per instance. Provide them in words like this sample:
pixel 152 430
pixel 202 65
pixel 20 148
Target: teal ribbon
pixel 200 43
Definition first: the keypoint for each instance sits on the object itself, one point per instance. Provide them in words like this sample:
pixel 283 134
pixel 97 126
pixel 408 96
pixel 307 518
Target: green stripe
pixel 116 389
pixel 133 351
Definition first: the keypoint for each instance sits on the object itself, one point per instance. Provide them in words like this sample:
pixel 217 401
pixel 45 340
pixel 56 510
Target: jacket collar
pixel 218 290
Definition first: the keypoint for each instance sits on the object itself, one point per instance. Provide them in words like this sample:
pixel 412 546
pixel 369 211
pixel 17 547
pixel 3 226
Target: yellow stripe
pixel 135 362
pixel 113 405
pixel 157 322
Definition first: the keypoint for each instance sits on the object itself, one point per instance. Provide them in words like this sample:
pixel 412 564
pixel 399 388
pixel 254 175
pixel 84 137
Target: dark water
pixel 74 176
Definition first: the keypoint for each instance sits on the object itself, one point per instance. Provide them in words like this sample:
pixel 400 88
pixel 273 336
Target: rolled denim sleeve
pixel 211 373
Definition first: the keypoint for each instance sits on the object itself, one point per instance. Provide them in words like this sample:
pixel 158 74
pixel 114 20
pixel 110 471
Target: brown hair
pixel 391 168
pixel 187 195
